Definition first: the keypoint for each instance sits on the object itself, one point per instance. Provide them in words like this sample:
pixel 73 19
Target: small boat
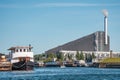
pixel 21 58
pixel 52 64
pixel 62 66
pixel 70 64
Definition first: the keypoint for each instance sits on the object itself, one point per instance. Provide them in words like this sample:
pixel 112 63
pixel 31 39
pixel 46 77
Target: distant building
pixel 92 42
pixel 98 54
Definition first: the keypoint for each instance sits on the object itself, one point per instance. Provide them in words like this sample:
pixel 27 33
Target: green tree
pixel 59 56
pixel 65 57
pixel 93 56
pixel 78 55
pixel 36 58
pixel 39 57
pixel 47 60
pixel 69 56
pixel 88 58
pixel 51 55
pixel 81 56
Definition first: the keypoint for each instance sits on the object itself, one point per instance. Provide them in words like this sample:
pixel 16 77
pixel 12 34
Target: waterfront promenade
pixel 57 73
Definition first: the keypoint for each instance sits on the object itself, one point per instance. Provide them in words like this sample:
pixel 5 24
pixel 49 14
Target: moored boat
pixel 21 58
pixel 69 64
pixel 52 64
pixel 62 66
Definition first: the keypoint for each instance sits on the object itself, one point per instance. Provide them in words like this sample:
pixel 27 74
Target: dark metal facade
pixel 92 42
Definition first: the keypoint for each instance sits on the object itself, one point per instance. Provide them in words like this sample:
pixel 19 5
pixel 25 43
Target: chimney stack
pixel 105 12
pixel 106 30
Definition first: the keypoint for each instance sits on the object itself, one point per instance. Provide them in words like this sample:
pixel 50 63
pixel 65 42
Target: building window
pixel 20 50
pixel 17 50
pixel 24 50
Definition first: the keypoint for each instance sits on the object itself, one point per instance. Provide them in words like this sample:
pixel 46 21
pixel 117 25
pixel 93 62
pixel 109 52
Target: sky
pixel 46 24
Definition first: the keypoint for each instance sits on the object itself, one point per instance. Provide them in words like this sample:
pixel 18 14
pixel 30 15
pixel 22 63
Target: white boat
pixel 21 58
pixel 62 66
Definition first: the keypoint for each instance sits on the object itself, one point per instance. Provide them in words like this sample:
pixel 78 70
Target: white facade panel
pixel 14 61
pixel 22 54
pixel 17 60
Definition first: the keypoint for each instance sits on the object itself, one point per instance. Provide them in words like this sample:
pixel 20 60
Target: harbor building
pixel 98 54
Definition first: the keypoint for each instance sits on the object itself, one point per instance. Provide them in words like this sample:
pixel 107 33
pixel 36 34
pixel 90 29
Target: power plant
pixel 97 41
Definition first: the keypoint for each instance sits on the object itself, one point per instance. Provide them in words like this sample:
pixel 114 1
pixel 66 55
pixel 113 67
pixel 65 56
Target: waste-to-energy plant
pixel 98 41
pixel 92 42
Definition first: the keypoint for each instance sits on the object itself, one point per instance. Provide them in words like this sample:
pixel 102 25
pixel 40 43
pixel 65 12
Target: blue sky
pixel 46 24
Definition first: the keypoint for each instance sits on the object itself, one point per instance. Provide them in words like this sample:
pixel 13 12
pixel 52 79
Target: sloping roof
pixel 86 43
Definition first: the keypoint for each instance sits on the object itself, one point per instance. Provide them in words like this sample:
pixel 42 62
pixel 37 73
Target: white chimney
pixel 106 30
pixel 105 12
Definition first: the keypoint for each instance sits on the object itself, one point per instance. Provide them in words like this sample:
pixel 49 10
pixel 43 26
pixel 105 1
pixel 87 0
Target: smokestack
pixel 105 12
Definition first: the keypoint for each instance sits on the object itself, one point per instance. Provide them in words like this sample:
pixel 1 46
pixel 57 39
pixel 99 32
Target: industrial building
pixel 98 41
pixel 92 42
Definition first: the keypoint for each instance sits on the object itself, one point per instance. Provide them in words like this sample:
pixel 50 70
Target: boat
pixel 69 64
pixel 62 66
pixel 4 64
pixel 52 64
pixel 21 58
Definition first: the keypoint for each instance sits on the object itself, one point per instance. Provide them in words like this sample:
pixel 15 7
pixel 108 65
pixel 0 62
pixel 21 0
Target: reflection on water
pixel 54 73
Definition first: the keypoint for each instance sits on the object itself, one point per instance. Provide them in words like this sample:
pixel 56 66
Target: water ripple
pixel 77 73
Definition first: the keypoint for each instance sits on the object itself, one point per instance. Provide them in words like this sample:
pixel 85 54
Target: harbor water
pixel 69 73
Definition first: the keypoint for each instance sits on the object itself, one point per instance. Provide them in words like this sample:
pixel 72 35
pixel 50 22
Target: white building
pixel 98 54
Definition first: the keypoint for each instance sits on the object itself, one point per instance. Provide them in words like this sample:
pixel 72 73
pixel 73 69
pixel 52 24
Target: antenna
pixel 30 47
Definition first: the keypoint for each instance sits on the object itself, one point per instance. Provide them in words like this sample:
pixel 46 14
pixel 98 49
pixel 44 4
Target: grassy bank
pixel 110 60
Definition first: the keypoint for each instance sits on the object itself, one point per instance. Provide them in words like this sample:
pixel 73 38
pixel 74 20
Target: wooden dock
pixel 5 66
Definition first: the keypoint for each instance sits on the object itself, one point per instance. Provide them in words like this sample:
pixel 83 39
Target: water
pixel 72 73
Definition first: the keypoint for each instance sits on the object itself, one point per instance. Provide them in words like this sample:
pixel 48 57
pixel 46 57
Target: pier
pixel 4 64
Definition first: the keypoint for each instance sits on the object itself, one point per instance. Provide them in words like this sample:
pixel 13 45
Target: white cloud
pixel 73 5
pixel 62 4
pixel 56 5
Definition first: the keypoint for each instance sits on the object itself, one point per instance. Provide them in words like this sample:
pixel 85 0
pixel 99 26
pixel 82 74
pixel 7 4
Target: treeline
pixel 64 57
pixel 49 57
